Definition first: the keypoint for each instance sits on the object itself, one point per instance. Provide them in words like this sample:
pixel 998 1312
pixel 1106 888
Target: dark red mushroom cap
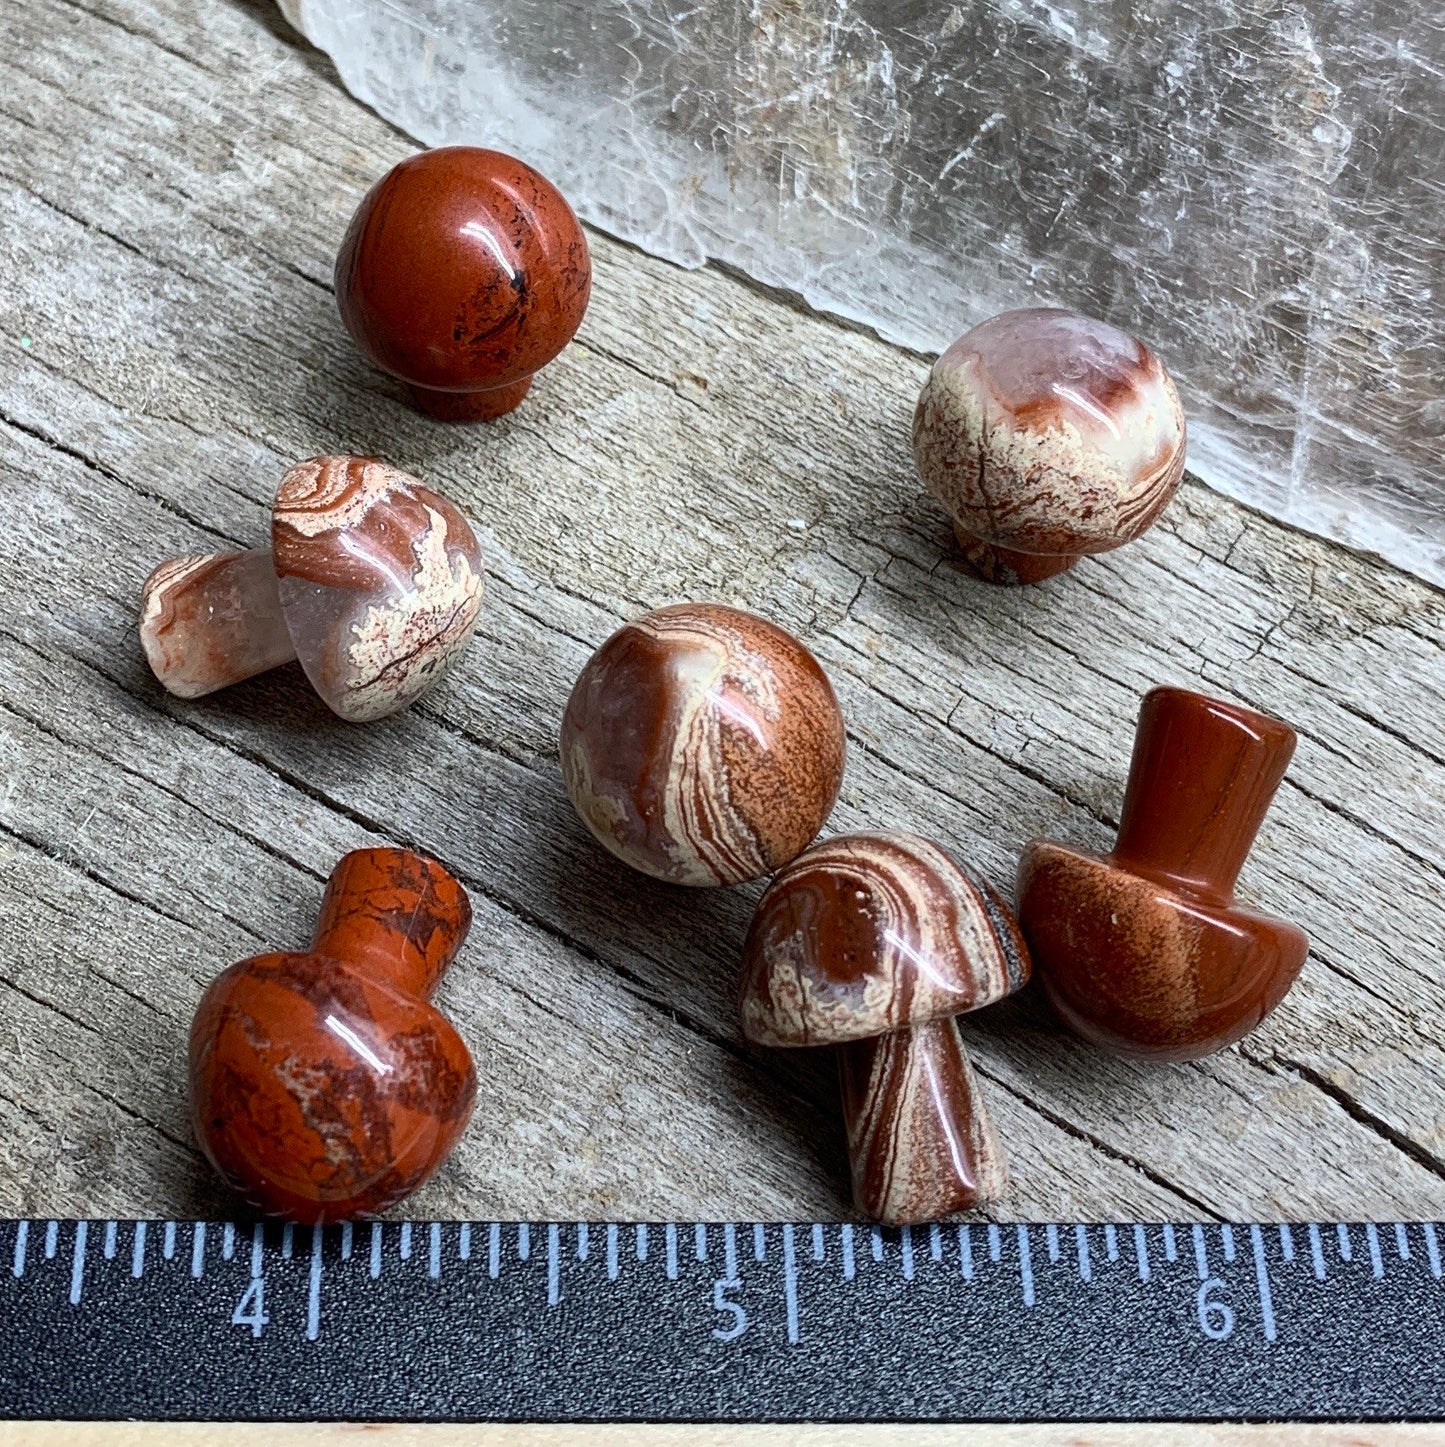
pixel 865 934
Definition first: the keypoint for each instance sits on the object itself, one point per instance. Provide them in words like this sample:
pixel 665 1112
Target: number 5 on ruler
pixel 724 1307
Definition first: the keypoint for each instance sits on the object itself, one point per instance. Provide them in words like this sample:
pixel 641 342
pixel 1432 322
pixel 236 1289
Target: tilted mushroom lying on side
pixel 373 581
pixel 875 943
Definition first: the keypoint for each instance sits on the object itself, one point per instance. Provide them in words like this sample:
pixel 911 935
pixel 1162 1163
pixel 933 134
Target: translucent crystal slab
pixel 1257 189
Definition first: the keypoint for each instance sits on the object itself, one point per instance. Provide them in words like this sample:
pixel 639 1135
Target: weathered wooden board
pixel 174 178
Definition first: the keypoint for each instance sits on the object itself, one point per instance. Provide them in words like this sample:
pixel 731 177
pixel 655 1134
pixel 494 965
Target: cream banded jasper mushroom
pixel 372 581
pixel 874 943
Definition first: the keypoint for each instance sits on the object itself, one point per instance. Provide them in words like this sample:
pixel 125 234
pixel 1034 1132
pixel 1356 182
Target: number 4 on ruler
pixel 251 1309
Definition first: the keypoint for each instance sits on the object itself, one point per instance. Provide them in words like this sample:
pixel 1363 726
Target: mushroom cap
pixel 380 581
pixel 321 1092
pixel 703 745
pixel 1044 431
pixel 864 934
pixel 463 269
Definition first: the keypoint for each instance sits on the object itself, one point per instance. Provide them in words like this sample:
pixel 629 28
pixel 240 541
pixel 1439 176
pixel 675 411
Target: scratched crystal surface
pixel 1257 187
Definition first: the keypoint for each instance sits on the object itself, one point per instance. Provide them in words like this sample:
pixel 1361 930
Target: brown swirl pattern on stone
pixel 325 1085
pixel 1047 435
pixel 463 273
pixel 703 745
pixel 875 942
pixel 921 1144
pixel 1143 951
pixel 868 933
pixel 373 581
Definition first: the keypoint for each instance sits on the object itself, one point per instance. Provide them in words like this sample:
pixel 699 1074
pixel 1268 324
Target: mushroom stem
pixel 920 1139
pixel 1004 565
pixel 484 405
pixel 212 619
pixel 399 916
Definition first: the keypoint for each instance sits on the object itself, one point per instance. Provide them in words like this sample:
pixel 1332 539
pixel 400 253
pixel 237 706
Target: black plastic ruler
pixel 426 1321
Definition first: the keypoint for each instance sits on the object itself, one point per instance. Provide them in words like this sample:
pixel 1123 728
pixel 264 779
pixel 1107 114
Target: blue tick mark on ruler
pixel 612 1253
pixel 524 1241
pixel 1026 1266
pixel 137 1253
pixel 965 1252
pixel 1201 1253
pixel 313 1293
pixel 405 1251
pixel 77 1264
pixel 1377 1262
pixel 494 1250
pixel 849 1266
pixel 374 1265
pixel 790 1283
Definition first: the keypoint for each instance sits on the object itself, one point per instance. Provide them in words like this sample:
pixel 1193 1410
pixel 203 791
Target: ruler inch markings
pixel 1271 1284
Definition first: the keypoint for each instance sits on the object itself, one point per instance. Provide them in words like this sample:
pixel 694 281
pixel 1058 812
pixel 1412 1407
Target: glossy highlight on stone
pixel 874 943
pixel 373 581
pixel 1047 435
pixel 1143 951
pixel 463 273
pixel 703 745
pixel 324 1085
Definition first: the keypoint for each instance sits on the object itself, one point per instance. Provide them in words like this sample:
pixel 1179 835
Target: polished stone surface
pixel 703 745
pixel 875 942
pixel 324 1085
pixel 1047 435
pixel 1253 187
pixel 871 932
pixel 921 1143
pixel 463 273
pixel 1144 951
pixel 373 581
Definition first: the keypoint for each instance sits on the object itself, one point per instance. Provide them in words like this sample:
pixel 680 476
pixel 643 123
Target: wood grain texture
pixel 175 176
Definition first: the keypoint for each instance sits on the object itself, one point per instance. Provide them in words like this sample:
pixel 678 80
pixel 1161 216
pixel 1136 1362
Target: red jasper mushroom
pixel 325 1085
pixel 463 273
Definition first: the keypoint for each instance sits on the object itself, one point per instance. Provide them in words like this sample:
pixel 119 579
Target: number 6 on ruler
pixel 1216 1318
pixel 722 1305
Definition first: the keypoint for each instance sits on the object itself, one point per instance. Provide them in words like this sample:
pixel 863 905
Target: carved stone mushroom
pixel 1047 435
pixel 703 745
pixel 372 581
pixel 463 273
pixel 324 1084
pixel 874 943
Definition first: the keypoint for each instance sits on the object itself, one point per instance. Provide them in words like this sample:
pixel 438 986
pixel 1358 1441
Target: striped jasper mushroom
pixel 372 581
pixel 874 943
pixel 1047 435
